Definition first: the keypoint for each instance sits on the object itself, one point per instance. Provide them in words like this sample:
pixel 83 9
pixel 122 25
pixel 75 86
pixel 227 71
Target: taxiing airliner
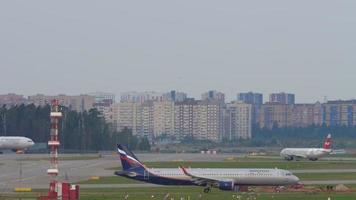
pixel 224 179
pixel 308 153
pixel 15 143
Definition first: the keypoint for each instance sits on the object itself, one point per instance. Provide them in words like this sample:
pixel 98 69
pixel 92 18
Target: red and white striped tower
pixel 53 143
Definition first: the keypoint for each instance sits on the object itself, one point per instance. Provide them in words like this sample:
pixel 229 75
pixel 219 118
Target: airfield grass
pixel 185 193
pixel 195 192
pixel 63 158
pixel 326 176
pixel 110 180
pixel 302 176
pixel 289 165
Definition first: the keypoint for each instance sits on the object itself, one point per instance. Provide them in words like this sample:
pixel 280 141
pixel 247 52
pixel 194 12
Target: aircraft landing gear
pixel 207 189
pixel 289 158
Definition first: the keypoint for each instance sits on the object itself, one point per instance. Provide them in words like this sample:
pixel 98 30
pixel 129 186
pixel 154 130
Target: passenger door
pixel 146 175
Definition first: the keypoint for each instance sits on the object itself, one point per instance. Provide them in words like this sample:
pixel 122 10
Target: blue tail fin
pixel 128 160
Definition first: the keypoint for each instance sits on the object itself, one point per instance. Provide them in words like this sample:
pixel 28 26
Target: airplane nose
pixel 295 179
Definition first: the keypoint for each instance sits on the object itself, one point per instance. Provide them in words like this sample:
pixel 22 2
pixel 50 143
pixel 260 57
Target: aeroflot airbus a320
pixel 224 179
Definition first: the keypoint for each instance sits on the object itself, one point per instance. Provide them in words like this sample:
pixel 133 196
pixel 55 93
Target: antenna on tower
pixel 53 143
pixel 57 190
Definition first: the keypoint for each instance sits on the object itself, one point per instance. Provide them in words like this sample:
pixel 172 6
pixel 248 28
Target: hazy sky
pixel 304 47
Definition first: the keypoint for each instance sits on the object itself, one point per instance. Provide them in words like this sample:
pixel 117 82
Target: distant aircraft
pixel 224 179
pixel 308 153
pixel 15 143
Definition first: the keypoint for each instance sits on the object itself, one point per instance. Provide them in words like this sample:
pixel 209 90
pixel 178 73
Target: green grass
pixel 65 158
pixel 255 164
pixel 194 192
pixel 326 176
pixel 110 180
pixel 302 176
pixel 185 193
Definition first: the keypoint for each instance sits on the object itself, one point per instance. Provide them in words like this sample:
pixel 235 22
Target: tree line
pixel 88 131
pixel 311 136
pixel 83 131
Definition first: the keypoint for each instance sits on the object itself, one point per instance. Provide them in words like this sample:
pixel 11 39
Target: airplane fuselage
pixel 15 142
pixel 248 177
pixel 308 153
pixel 222 178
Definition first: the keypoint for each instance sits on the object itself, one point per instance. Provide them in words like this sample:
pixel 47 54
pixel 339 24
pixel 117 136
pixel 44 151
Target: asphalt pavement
pixel 29 170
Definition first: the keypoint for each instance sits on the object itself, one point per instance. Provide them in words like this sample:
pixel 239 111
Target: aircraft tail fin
pixel 328 142
pixel 128 160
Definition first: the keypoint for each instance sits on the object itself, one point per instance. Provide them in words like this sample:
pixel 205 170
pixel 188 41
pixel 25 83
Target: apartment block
pixel 213 95
pixel 340 113
pixel 78 103
pixel 282 98
pixel 207 120
pixel 303 115
pixel 276 114
pixel 163 118
pixel 141 97
pixel 175 96
pixel 129 116
pixel 12 99
pixel 238 121
pixel 183 119
pixel 147 123
pixel 250 98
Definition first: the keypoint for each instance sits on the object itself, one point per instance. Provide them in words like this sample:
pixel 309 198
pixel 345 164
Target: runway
pixel 33 167
pixel 30 170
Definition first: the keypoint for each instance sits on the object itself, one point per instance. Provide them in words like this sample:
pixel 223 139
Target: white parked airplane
pixel 308 153
pixel 15 143
pixel 224 179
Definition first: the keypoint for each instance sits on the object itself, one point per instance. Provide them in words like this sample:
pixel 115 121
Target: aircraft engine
pixel 226 185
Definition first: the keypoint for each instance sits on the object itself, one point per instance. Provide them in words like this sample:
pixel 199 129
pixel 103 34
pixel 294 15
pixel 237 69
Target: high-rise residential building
pixel 238 124
pixel 103 98
pixel 79 103
pixel 304 115
pixel 111 115
pixel 129 116
pixel 318 114
pixel 103 101
pixel 175 96
pixel 340 113
pixel 183 119
pixel 282 98
pixel 163 118
pixel 141 97
pixel 147 123
pixel 256 100
pixel 12 99
pixel 250 98
pixel 276 114
pixel 213 95
pixel 208 120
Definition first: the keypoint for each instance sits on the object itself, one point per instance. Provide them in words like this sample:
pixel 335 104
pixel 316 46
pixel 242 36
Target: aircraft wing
pixel 299 155
pixel 200 180
pixel 296 154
